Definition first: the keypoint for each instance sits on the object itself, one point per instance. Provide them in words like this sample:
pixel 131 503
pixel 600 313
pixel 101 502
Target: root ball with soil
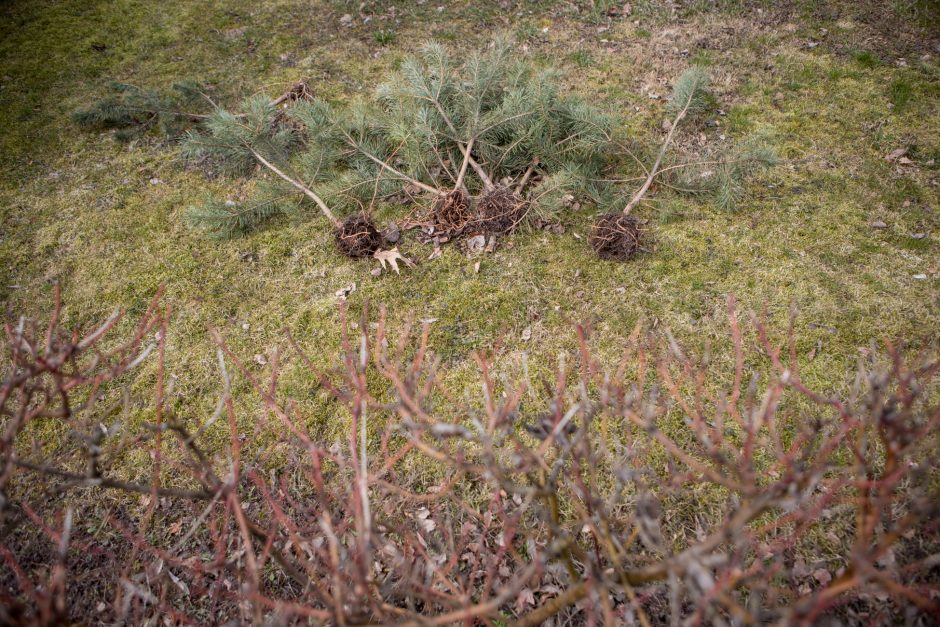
pixel 616 236
pixel 500 211
pixel 452 213
pixel 356 236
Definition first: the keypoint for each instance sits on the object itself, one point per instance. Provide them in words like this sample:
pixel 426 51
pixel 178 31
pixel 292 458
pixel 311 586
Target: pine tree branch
pixel 487 181
pixel 157 111
pixel 368 155
pixel 300 186
pixel 659 159
pixel 458 184
pixel 526 176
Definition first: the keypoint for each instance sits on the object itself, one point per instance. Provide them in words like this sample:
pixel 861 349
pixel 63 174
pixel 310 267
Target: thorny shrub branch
pixel 664 488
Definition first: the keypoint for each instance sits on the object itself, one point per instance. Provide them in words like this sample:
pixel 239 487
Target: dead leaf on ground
pixel 179 583
pixel 822 576
pixel 895 154
pixel 434 255
pixel 525 599
pixel 392 257
pixel 476 243
pixel 343 292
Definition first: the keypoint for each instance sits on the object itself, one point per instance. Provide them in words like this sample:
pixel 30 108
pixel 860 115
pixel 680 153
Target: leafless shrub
pixel 631 493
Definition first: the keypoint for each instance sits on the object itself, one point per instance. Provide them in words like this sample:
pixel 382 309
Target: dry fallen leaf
pixel 392 257
pixel 434 255
pixel 423 517
pixel 179 583
pixel 895 154
pixel 476 244
pixel 526 598
pixel 342 293
pixel 822 576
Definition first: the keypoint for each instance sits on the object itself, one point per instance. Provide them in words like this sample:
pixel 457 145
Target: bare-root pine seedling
pixel 261 138
pixel 483 127
pixel 620 235
pixel 617 236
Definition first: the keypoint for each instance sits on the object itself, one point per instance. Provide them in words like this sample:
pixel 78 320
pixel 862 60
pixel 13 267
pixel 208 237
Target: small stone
pixel 920 277
pixel 476 243
pixel 878 224
pixel 526 334
pixel 919 235
pixel 346 20
pixel 392 233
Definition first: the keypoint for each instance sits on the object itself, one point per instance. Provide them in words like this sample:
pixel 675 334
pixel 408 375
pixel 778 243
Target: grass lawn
pixel 847 236
pixel 846 228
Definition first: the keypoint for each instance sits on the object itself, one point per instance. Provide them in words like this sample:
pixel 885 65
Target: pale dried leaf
pixel 343 292
pixel 178 582
pixel 822 576
pixel 392 257
pixel 895 154
pixel 526 598
pixel 476 243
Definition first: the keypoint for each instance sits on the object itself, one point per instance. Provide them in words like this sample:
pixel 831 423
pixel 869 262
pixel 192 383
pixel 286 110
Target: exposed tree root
pixel 616 236
pixel 500 211
pixel 451 214
pixel 357 236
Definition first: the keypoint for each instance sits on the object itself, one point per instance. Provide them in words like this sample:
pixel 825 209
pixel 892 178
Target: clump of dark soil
pixel 616 236
pixel 500 211
pixel 358 237
pixel 451 214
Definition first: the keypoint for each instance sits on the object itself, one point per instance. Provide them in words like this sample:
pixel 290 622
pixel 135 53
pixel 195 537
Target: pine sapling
pixel 132 111
pixel 503 121
pixel 620 235
pixel 260 137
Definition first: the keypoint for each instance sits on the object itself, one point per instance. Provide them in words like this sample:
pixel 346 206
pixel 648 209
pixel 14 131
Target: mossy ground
pixel 834 89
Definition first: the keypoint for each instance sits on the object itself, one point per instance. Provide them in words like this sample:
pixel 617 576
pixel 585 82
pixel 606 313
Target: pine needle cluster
pixel 512 113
